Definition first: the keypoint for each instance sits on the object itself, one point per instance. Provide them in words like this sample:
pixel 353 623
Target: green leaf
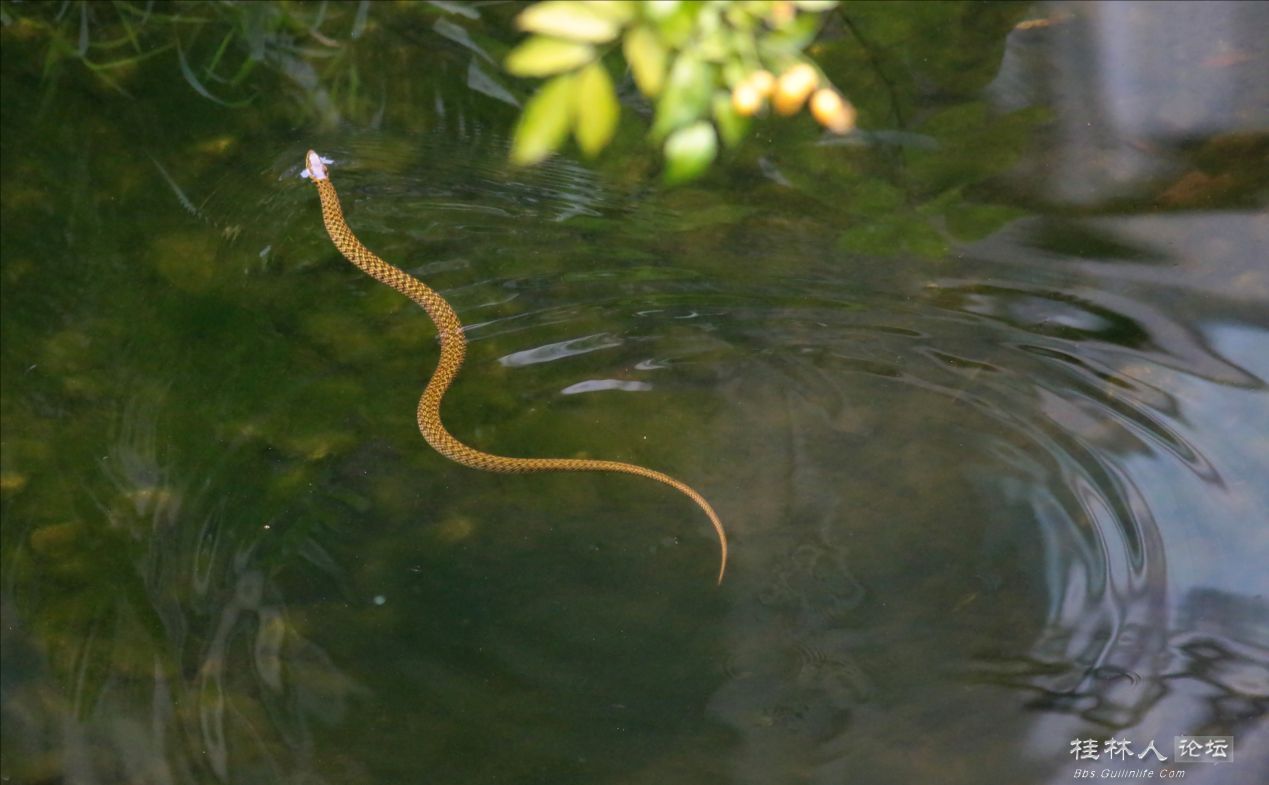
pixel 461 9
pixel 677 26
pixel 874 198
pixel 689 151
pixel 541 56
pixel 731 125
pixel 571 20
pixel 482 82
pixel 894 235
pixel 736 70
pixel 447 29
pixel 188 73
pixel 620 11
pixel 647 58
pixel 660 9
pixel 687 94
pixel 789 40
pixel 545 121
pixel 597 109
pixel 970 222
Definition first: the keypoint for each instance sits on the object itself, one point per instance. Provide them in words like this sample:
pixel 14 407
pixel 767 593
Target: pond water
pixel 979 394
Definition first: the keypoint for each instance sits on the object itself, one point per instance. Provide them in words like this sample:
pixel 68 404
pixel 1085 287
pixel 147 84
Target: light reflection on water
pixel 1103 447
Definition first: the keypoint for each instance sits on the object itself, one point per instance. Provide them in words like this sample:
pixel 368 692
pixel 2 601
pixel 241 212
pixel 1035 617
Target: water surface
pixel 979 394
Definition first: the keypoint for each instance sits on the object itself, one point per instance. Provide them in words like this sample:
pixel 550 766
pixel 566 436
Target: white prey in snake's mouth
pixel 453 350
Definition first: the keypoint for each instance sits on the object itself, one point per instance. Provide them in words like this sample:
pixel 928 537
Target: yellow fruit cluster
pixel 789 93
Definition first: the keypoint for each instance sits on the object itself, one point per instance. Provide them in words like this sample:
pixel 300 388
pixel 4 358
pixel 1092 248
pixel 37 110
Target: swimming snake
pixel 453 350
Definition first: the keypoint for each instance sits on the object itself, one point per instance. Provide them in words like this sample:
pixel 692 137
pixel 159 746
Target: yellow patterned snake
pixel 453 350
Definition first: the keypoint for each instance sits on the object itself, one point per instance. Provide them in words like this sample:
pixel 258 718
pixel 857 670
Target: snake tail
pixel 453 350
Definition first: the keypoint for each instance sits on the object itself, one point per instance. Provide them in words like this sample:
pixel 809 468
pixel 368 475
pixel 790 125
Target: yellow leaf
pixel 545 121
pixel 541 56
pixel 647 58
pixel 597 109
pixel 620 11
pixel 572 20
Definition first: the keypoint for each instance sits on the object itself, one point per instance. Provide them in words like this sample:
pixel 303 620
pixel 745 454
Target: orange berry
pixel 832 111
pixel 793 87
pixel 762 81
pixel 745 99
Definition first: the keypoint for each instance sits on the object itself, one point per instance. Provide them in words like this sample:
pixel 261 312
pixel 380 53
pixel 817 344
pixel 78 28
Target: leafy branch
pixel 709 67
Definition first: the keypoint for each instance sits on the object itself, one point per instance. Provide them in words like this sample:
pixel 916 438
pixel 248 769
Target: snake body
pixel 453 350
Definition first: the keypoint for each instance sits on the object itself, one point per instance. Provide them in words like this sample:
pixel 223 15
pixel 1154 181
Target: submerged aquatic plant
pixel 224 51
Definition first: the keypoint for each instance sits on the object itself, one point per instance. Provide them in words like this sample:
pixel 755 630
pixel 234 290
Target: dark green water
pixel 980 397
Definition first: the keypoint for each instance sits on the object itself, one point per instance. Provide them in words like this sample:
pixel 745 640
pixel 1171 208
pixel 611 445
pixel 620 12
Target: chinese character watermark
pixel 1117 748
pixel 1118 759
pixel 1204 749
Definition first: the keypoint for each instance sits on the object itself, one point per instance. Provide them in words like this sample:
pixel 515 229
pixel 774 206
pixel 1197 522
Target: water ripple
pixel 598 385
pixel 559 350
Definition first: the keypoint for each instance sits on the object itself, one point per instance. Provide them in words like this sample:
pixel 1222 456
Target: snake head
pixel 316 166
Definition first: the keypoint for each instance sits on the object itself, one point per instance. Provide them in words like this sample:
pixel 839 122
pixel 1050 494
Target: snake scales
pixel 453 350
